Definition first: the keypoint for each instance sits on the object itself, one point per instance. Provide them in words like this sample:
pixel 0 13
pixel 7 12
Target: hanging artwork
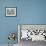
pixel 32 32
pixel 10 11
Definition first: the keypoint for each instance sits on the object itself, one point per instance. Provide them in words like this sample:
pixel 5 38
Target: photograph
pixel 11 11
pixel 28 33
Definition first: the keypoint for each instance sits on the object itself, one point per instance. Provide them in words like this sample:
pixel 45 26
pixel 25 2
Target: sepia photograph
pixel 11 11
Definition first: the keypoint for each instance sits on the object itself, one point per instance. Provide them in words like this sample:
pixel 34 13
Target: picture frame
pixel 10 11
pixel 39 28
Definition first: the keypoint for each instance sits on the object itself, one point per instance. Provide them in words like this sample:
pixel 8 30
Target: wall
pixel 28 12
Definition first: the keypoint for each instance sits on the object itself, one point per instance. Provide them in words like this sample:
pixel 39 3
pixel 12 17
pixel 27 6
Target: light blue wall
pixel 28 12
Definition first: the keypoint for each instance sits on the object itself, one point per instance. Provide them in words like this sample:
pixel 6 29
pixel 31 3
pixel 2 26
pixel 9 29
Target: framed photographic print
pixel 33 32
pixel 11 11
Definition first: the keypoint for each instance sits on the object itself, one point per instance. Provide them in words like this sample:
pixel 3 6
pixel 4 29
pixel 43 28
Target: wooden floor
pixel 30 43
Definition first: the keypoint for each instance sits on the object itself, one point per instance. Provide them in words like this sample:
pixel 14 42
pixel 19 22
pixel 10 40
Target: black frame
pixel 11 7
